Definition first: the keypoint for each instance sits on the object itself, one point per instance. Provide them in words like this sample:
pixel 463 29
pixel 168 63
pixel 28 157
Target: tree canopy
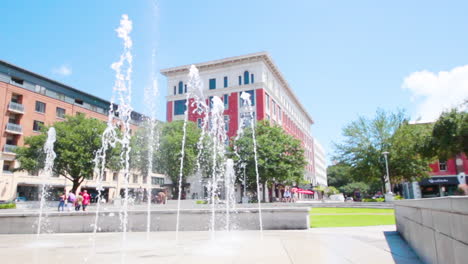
pixel 280 155
pixel 449 135
pixel 365 140
pixel 167 158
pixel 78 139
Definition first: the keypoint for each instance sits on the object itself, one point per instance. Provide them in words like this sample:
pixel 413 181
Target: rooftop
pixel 243 58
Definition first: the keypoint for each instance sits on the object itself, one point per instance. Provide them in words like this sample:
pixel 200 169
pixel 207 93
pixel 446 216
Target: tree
pixel 280 156
pixel 353 186
pixel 339 175
pixel 449 135
pixel 140 148
pixel 78 138
pixel 167 158
pixel 366 140
pixel 406 161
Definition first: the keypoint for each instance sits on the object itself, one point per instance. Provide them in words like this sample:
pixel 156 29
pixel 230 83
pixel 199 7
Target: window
pixel 226 101
pixel 17 80
pixel 115 176
pixel 240 80
pixel 104 176
pixel 78 101
pixel 61 96
pixel 157 181
pixel 37 125
pixel 442 165
pixel 181 87
pixel 40 107
pixel 225 81
pixel 185 88
pixel 16 98
pixel 7 166
pixel 179 107
pixel 40 89
pixel 279 114
pixel 175 90
pixel 60 112
pixel 226 123
pixel 252 97
pixel 212 84
pixel 135 178
pixel 267 101
pixel 10 140
pixel 252 78
pixel 274 108
pixel 199 123
pixel 246 77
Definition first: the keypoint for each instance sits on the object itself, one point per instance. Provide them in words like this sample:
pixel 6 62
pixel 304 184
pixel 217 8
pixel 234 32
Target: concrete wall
pixel 436 228
pixel 161 220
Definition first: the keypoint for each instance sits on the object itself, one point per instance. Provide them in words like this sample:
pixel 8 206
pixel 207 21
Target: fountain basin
pixel 161 220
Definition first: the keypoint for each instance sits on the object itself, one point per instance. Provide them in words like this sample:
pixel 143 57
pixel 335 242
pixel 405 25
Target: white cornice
pixel 264 56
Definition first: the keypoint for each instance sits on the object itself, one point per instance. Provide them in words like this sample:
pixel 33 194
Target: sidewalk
pixel 376 244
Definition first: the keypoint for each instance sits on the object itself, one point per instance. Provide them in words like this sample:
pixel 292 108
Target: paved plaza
pixel 376 244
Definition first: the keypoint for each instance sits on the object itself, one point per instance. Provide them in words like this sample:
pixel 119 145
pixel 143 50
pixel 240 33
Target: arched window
pixel 181 87
pixel 246 77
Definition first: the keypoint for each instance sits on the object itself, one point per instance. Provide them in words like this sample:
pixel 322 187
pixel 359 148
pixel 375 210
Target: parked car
pixel 21 199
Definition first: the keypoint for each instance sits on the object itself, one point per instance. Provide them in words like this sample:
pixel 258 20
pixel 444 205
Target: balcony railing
pixel 9 148
pixel 14 128
pixel 15 107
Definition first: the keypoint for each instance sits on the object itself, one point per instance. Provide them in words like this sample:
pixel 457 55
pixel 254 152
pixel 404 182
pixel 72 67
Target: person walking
pixel 287 194
pixel 86 199
pixel 78 201
pixel 70 200
pixel 62 199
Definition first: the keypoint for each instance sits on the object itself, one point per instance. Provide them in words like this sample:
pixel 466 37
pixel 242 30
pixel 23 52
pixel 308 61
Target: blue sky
pixel 342 58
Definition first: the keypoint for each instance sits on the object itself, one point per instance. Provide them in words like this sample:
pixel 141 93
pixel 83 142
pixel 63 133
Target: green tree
pixel 78 138
pixel 449 135
pixel 405 159
pixel 167 158
pixel 353 186
pixel 280 155
pixel 339 175
pixel 139 155
pixel 364 142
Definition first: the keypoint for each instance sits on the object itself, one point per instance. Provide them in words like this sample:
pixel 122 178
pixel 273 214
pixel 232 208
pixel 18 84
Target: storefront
pixel 31 192
pixel 439 186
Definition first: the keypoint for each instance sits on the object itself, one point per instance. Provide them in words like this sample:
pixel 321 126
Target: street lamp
pixel 389 194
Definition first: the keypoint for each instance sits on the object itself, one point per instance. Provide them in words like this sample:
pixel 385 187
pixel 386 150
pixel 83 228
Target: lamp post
pixel 389 194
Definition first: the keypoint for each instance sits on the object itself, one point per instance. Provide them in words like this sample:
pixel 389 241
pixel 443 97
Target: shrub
pixel 398 197
pixel 372 200
pixel 8 206
pixel 201 202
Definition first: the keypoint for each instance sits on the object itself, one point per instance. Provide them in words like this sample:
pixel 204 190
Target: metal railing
pixel 9 148
pixel 14 128
pixel 12 106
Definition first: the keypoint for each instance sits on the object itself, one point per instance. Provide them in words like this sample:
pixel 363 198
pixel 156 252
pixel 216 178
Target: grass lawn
pixel 342 217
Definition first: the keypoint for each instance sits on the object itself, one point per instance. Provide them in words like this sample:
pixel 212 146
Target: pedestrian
pixel 70 201
pixel 62 199
pixel 78 201
pixel 287 194
pixel 86 199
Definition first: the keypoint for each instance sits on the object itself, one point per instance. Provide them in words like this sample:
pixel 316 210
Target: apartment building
pixel 28 100
pixel 272 97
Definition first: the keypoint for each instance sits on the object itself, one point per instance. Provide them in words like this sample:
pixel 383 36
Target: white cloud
pixel 435 92
pixel 63 70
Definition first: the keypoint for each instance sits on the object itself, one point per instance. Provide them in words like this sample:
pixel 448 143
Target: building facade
pixel 272 97
pixel 28 100
pixel 443 180
pixel 320 161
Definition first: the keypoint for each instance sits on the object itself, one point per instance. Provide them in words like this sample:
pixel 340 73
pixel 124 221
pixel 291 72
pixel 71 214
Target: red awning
pixel 305 191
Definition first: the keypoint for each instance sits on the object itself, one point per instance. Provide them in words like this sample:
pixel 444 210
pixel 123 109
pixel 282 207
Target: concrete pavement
pixel 376 244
